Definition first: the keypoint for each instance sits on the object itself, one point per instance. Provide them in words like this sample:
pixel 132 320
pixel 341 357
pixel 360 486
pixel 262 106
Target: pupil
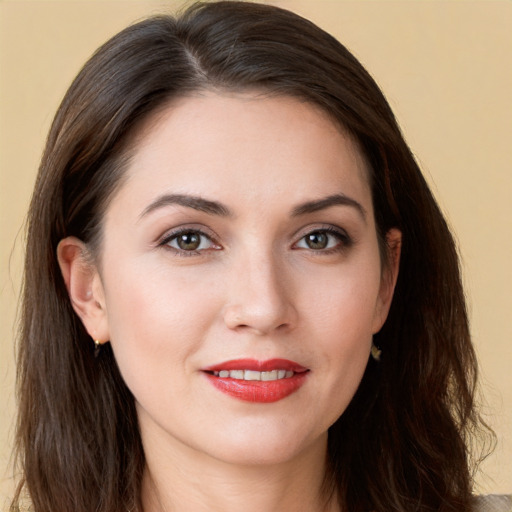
pixel 317 241
pixel 189 241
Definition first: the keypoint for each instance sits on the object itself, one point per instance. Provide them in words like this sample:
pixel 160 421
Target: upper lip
pixel 255 365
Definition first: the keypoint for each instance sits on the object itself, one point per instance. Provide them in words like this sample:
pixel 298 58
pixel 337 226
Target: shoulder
pixel 493 503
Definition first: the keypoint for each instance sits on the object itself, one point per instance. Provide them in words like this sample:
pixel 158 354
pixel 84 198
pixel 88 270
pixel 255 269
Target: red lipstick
pixel 257 381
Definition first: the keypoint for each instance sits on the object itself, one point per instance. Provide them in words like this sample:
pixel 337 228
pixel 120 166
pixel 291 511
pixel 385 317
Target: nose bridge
pixel 260 293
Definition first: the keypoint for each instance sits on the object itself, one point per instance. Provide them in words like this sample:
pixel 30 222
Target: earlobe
pixel 389 277
pixel 84 286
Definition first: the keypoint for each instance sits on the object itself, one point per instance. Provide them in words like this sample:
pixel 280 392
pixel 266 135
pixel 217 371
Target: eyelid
pixel 163 241
pixel 345 240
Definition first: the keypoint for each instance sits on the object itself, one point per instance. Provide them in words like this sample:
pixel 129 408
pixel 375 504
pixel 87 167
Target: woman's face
pixel 241 279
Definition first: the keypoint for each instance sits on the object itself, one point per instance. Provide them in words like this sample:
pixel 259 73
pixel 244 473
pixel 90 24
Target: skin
pixel 253 288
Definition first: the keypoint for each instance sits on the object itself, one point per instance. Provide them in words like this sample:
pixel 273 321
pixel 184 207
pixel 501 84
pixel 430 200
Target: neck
pixel 189 481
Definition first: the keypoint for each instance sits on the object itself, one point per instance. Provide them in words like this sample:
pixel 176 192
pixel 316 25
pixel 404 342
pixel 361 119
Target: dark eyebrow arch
pixel 194 202
pixel 327 202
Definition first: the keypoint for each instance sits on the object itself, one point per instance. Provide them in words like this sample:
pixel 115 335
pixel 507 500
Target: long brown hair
pixel 402 444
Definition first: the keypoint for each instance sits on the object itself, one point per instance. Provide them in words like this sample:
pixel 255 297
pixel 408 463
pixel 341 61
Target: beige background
pixel 446 68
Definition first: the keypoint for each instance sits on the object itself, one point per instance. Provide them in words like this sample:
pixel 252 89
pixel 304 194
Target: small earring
pixel 97 348
pixel 376 352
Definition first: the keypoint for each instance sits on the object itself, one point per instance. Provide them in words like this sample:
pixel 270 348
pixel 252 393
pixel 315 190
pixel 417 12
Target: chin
pixel 265 447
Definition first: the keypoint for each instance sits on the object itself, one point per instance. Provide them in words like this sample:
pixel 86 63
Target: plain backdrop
pixel 445 67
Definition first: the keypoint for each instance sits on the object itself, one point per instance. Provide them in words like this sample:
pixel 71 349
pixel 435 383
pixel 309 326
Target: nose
pixel 260 297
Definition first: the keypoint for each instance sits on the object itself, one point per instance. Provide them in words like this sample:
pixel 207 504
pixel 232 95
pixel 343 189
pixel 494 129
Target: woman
pixel 243 283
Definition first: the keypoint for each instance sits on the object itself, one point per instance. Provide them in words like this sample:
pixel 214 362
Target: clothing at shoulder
pixel 493 503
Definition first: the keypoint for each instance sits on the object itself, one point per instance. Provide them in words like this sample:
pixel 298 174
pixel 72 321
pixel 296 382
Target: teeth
pixel 269 375
pixel 254 375
pixel 237 374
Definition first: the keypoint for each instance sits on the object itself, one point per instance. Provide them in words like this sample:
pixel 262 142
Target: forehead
pixel 250 146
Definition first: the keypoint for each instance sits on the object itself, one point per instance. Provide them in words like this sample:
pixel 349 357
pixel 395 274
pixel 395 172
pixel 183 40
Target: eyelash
pixel 174 235
pixel 343 239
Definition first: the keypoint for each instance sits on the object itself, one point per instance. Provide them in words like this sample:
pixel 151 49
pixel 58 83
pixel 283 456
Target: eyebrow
pixel 194 202
pixel 216 208
pixel 327 202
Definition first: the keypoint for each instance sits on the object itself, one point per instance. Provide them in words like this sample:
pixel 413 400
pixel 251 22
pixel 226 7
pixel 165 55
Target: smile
pixel 257 381
pixel 254 375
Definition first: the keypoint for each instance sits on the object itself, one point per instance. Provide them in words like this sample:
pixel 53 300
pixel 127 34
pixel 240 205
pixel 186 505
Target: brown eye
pixel 323 240
pixel 190 241
pixel 317 240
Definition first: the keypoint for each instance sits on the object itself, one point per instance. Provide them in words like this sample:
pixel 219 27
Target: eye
pixel 322 240
pixel 189 241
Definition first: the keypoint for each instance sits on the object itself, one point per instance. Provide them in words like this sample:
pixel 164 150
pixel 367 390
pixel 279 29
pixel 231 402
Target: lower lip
pixel 259 391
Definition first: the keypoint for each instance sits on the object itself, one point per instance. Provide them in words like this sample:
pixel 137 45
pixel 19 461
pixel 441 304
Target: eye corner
pixel 194 241
pixel 323 240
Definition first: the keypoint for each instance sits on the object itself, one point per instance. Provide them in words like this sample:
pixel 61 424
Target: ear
pixel 388 278
pixel 84 287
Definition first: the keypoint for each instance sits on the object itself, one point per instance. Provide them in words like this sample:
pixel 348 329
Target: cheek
pixel 344 299
pixel 157 319
pixel 341 311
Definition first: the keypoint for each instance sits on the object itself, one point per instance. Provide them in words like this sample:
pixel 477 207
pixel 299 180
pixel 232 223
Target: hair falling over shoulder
pixel 404 443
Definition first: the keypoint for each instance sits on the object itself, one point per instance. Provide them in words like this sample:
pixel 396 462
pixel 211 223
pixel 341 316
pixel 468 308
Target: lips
pixel 257 381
